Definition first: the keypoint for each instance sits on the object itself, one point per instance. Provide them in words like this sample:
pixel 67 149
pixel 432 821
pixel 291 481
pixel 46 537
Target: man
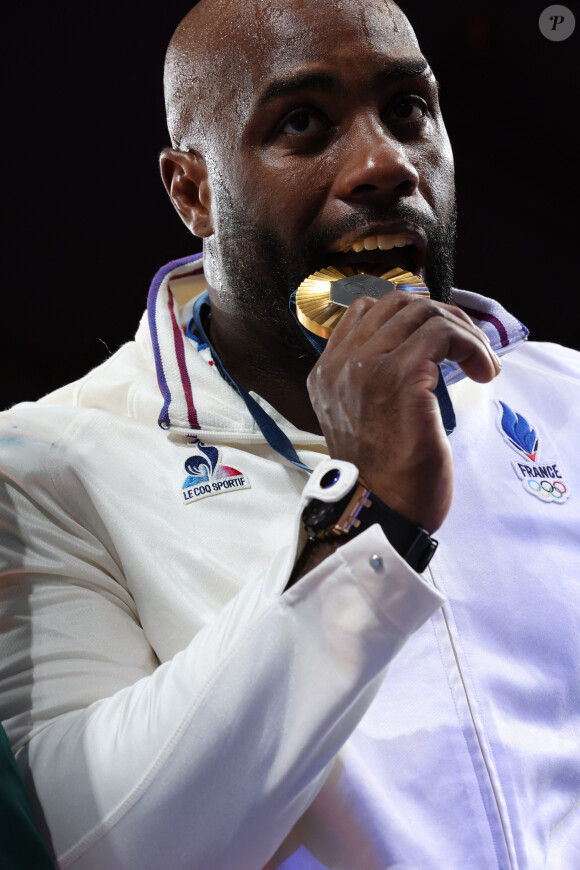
pixel 187 681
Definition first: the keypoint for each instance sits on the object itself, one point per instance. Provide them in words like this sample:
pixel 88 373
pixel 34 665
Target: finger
pixel 399 312
pixel 401 326
pixel 410 313
pixel 439 338
pixel 366 315
pixel 351 320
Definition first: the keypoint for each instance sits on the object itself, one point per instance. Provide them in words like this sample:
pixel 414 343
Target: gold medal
pixel 323 297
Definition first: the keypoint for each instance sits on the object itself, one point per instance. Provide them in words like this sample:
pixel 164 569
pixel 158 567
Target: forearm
pixel 133 764
pixel 237 732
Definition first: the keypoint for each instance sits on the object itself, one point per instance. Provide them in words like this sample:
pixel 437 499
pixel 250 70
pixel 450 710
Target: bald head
pixel 183 77
pixel 220 48
pixel 203 69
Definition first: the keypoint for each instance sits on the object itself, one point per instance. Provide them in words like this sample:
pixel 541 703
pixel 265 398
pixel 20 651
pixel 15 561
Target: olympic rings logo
pixel 545 489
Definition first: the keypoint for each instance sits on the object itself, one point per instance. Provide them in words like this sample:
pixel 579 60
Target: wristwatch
pixel 340 503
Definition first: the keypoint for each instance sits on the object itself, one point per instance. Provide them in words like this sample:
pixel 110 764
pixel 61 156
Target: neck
pixel 259 360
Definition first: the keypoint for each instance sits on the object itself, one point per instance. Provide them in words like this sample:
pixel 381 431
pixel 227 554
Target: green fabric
pixel 21 847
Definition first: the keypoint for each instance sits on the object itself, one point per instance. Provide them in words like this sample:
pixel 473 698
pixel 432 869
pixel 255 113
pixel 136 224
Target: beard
pixel 259 273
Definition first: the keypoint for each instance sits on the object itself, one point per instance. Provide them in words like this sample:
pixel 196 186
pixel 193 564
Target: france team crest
pixel 542 477
pixel 206 475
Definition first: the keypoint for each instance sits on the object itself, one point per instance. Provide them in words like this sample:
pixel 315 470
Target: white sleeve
pixel 207 760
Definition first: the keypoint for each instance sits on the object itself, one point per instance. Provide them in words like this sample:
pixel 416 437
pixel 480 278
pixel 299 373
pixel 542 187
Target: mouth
pixel 381 251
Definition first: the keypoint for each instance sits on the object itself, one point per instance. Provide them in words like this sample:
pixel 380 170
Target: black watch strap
pixel 412 542
pixel 358 510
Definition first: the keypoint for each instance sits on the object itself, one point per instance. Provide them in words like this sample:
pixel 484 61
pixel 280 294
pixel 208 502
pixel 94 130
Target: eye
pixel 303 122
pixel 408 110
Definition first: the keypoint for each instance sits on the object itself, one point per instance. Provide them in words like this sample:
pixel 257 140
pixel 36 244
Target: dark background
pixel 88 222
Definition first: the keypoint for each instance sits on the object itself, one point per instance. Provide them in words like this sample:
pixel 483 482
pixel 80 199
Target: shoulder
pixel 123 386
pixel 40 441
pixel 546 358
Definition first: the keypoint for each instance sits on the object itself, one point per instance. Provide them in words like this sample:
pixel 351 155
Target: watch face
pixel 318 515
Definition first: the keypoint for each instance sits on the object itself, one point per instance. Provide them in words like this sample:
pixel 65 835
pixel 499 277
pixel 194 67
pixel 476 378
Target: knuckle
pixel 461 315
pixel 439 318
pixel 421 308
pixel 399 299
pixel 361 305
pixel 313 378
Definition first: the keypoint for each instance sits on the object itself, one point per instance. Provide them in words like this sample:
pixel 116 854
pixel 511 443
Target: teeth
pixel 383 243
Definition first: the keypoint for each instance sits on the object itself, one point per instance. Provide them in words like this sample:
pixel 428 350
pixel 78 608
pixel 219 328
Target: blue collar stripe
pixel 275 437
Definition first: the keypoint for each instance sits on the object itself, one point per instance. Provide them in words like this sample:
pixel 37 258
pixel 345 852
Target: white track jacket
pixel 173 708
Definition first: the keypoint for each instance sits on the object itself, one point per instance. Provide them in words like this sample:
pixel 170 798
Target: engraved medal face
pixel 323 297
pixel 345 290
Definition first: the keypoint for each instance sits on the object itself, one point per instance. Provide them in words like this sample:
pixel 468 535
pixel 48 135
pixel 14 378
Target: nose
pixel 373 165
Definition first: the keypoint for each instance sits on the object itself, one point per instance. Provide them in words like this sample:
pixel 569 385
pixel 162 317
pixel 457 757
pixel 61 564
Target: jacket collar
pixel 187 377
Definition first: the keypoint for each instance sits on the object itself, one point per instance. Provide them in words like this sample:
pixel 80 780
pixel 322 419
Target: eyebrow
pixel 404 69
pixel 299 82
pixel 320 81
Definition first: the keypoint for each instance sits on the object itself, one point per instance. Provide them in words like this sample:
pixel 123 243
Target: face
pixel 334 152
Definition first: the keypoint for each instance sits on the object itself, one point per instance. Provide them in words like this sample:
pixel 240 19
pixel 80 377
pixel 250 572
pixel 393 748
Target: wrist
pixel 340 503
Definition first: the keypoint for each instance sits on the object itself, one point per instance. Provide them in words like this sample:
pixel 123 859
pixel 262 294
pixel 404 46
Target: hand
pixel 372 391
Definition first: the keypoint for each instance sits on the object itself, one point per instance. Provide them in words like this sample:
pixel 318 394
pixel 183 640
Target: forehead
pixel 300 25
pixel 254 41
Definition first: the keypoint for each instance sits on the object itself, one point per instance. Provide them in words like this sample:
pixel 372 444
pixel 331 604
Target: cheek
pixel 290 192
pixel 438 176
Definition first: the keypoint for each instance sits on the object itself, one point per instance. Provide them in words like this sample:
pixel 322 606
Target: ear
pixel 184 175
